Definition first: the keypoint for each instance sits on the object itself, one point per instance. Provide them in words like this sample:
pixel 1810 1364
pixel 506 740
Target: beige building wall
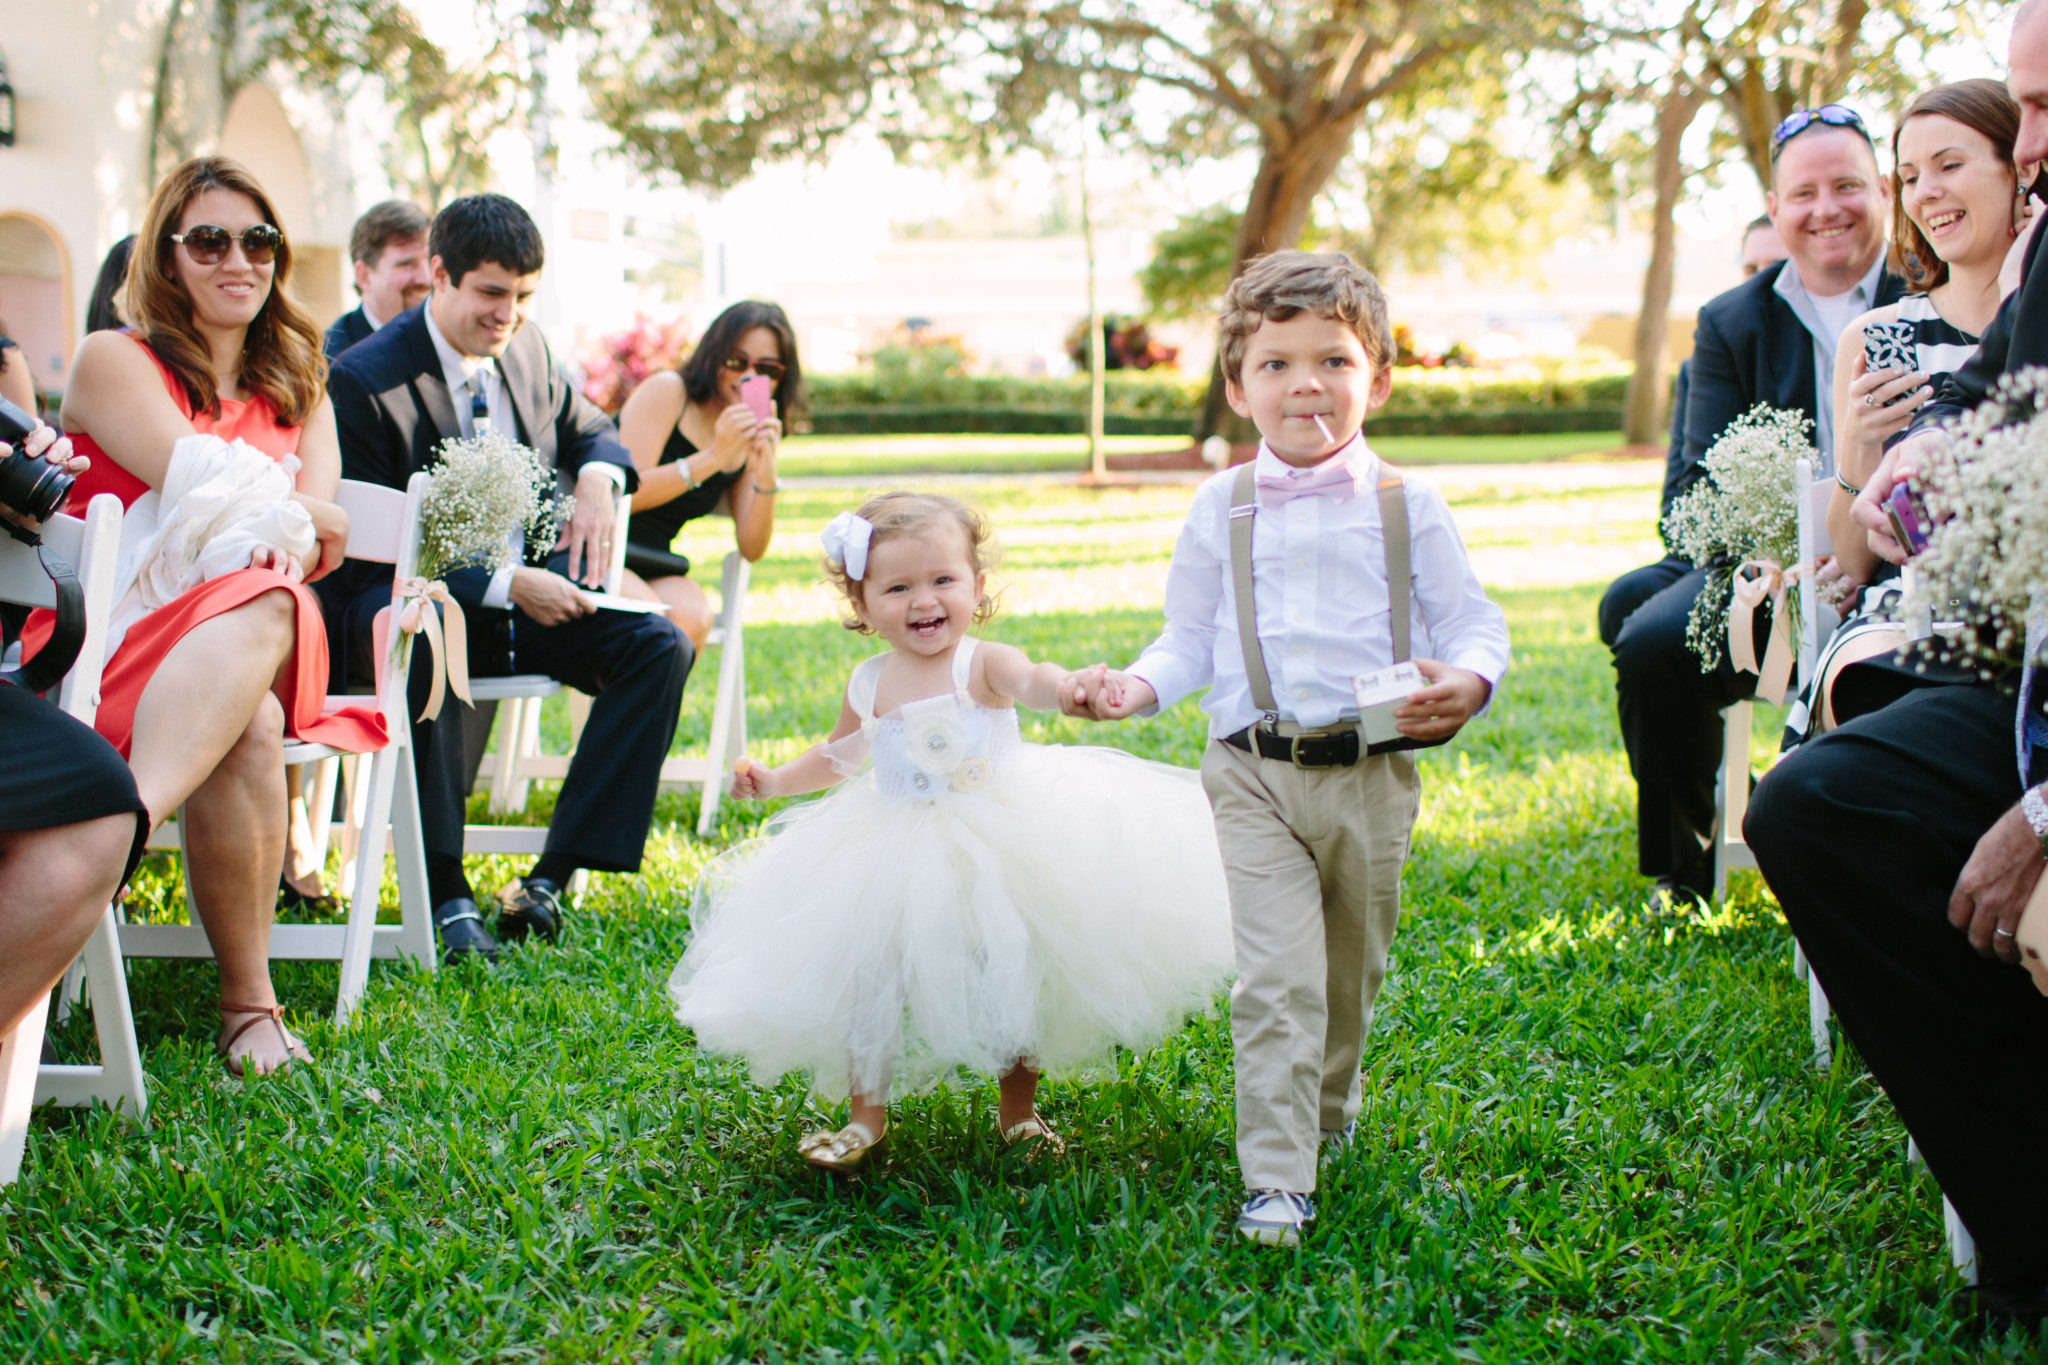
pixel 76 180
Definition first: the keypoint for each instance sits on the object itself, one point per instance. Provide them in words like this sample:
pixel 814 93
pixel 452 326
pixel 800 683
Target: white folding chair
pixel 728 740
pixel 518 760
pixel 384 527
pixel 1731 798
pixel 90 546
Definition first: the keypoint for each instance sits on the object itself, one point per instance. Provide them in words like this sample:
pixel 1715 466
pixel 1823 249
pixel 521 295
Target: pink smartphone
pixel 757 391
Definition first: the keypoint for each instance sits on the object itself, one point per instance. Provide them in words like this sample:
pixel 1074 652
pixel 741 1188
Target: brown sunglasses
pixel 770 370
pixel 208 245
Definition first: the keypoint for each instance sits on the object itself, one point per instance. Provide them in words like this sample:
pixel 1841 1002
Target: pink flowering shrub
pixel 622 359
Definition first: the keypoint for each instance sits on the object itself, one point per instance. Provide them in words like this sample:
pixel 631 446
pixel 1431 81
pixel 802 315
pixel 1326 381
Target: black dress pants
pixel 1671 716
pixel 633 664
pixel 1862 833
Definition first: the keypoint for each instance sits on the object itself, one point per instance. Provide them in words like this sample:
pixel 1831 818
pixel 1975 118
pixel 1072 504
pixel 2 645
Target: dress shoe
pixel 2023 1305
pixel 462 932
pixel 292 901
pixel 535 908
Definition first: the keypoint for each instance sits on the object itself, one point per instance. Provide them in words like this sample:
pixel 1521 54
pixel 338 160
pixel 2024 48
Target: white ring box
pixel 1378 693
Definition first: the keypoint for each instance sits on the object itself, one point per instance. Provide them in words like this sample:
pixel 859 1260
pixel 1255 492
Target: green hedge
pixel 1451 402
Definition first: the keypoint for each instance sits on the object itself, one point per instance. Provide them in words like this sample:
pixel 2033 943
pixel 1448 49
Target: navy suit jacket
pixel 392 410
pixel 1750 348
pixel 345 332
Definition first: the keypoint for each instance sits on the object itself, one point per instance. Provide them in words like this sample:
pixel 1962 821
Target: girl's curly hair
pixel 899 514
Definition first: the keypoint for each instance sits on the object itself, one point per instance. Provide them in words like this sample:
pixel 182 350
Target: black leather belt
pixel 1324 749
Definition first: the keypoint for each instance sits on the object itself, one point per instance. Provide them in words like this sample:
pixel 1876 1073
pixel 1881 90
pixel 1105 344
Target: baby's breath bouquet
pixel 1744 509
pixel 1986 561
pixel 485 487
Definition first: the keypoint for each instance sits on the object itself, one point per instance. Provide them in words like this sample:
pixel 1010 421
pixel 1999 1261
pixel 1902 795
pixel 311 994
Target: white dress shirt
pixel 1824 317
pixel 466 376
pixel 1320 587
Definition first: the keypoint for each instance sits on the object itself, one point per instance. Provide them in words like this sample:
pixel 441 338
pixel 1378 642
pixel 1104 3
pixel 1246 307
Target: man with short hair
pixel 1905 843
pixel 1769 340
pixel 1761 245
pixel 463 359
pixel 389 248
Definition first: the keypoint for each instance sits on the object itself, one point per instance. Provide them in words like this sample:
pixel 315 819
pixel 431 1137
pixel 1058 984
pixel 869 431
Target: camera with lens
pixel 30 486
pixel 33 489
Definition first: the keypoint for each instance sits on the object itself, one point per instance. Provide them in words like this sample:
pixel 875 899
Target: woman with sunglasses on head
pixel 697 446
pixel 201 691
pixel 1958 202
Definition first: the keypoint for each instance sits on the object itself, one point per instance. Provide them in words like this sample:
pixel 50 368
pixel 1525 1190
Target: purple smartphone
pixel 1908 513
pixel 757 391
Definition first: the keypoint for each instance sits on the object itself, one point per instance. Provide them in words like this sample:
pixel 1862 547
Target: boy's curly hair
pixel 897 514
pixel 1285 283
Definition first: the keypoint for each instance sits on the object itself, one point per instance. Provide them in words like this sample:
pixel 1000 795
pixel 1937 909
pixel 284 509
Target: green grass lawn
pixel 1592 1131
pixel 856 456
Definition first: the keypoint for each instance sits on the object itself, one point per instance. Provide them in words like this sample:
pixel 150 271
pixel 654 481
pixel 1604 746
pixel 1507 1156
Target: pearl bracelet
pixel 2035 807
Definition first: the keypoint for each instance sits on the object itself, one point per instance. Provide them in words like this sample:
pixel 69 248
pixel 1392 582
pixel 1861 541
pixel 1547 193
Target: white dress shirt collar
pixel 1354 452
pixel 376 323
pixel 1824 317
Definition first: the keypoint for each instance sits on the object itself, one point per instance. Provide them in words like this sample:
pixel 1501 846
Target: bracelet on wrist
pixel 772 488
pixel 690 479
pixel 1851 489
pixel 2035 807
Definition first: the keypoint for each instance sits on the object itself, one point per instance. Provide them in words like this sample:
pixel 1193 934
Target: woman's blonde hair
pixel 902 514
pixel 281 357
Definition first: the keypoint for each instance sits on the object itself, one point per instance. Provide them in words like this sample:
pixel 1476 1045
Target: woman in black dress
pixel 697 445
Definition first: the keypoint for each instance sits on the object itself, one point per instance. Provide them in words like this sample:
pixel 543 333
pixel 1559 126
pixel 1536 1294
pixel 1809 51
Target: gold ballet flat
pixel 843 1152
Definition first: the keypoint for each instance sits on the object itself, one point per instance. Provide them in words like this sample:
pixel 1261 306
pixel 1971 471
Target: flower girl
pixel 971 900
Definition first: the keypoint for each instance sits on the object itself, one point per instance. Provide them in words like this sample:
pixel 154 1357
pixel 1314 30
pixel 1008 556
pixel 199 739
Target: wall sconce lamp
pixel 6 106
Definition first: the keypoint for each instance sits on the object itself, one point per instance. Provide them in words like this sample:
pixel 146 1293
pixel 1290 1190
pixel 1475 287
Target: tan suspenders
pixel 1394 528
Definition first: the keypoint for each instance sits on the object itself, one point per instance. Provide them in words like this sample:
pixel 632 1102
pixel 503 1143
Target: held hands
pixel 1440 710
pixel 1099 692
pixel 751 781
pixel 588 535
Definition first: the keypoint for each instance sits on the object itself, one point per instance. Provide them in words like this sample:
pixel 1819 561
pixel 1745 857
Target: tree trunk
pixel 1275 216
pixel 1642 407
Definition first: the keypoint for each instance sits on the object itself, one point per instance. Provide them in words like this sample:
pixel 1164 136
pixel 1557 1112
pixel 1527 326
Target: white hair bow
pixel 846 539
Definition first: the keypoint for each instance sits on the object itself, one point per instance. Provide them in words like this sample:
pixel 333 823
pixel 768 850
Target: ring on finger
pixel 2002 932
pixel 1870 400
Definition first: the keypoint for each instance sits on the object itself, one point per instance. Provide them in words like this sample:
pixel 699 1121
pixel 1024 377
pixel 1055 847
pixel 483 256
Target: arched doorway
pixel 35 296
pixel 259 134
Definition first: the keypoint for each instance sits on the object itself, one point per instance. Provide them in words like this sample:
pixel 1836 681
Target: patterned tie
pixel 479 401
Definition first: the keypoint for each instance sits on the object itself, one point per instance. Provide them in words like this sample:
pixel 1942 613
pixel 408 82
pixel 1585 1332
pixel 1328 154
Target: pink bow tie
pixel 1333 478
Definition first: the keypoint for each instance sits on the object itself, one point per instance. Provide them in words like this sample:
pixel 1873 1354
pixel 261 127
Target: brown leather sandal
pixel 295 1051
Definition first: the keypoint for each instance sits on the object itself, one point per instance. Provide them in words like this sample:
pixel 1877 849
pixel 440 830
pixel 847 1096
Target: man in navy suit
pixel 389 248
pixel 1771 339
pixel 437 371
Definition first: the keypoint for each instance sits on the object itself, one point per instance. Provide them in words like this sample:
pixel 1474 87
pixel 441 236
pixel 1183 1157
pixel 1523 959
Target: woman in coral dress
pixel 202 691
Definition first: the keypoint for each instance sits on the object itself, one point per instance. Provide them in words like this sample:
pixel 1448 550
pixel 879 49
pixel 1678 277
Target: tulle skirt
pixel 1072 901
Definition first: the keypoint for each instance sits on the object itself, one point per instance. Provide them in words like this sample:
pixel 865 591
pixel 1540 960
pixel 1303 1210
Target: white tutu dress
pixel 970 901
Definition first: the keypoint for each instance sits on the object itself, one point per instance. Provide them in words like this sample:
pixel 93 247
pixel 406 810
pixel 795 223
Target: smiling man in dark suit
pixel 1771 339
pixel 465 357
pixel 388 247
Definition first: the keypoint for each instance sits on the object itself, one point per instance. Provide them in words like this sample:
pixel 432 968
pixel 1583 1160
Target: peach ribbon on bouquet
pixel 416 616
pixel 1758 581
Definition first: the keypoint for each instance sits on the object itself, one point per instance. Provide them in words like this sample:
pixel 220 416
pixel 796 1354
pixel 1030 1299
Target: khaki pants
pixel 1313 857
